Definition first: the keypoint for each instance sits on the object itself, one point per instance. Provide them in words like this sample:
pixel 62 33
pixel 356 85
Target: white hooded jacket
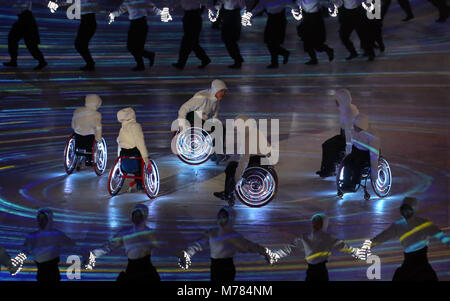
pixel 365 141
pixel 317 245
pixel 413 233
pixel 347 113
pixel 224 242
pixel 46 244
pixel 252 136
pixel 131 134
pixel 204 102
pixel 138 240
pixel 86 120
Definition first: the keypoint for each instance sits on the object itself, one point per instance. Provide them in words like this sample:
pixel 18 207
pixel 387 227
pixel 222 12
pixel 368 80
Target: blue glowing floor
pixel 404 92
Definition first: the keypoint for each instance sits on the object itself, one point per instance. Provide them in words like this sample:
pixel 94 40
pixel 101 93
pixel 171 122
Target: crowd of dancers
pixel 361 16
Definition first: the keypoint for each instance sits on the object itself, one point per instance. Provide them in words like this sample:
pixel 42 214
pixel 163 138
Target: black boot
pixel 205 63
pixel 88 67
pixel 351 56
pixel 179 66
pixel 330 53
pixel 40 66
pixel 11 63
pixel 286 57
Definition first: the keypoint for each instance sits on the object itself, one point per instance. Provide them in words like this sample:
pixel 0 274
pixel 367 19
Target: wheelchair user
pixel 205 105
pixel 235 169
pixel 131 143
pixel 87 125
pixel 335 148
pixel 365 154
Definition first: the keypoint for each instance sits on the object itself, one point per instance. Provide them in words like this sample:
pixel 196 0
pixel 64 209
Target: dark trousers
pixel 313 34
pixel 136 166
pixel 25 28
pixel 138 270
pixel 332 152
pixel 85 143
pixel 274 35
pixel 230 172
pixel 231 33
pixel 441 5
pixel 355 20
pixel 415 267
pixel 192 26
pixel 317 272
pixel 86 31
pixel 353 167
pixel 137 35
pixel 48 271
pixel 222 269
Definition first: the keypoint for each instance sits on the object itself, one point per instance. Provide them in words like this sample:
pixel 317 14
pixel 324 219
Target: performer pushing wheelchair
pixel 196 145
pixel 364 162
pixel 254 182
pixel 86 143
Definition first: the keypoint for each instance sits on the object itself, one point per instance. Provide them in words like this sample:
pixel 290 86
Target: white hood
pixel 93 101
pixel 126 114
pixel 324 219
pixel 216 86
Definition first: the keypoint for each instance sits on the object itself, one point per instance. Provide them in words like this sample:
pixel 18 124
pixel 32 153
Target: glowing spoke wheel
pixel 70 157
pixel 259 188
pixel 151 180
pixel 194 146
pixel 382 185
pixel 100 157
pixel 115 181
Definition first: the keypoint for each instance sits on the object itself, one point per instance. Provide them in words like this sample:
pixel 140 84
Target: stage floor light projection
pixel 404 92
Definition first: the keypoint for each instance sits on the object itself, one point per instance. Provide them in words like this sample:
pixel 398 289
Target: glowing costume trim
pixel 416 229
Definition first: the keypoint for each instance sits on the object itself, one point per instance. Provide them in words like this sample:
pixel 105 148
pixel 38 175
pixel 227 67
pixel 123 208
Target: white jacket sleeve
pixel 115 243
pixel 244 245
pixel 199 245
pixel 287 249
pixel 191 105
pixel 138 135
pixel 388 234
pixel 98 127
pixel 120 11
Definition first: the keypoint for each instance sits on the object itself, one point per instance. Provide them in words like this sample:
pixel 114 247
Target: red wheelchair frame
pixel 147 174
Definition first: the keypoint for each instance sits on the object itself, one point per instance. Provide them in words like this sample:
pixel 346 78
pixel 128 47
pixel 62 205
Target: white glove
pixel 165 15
pixel 185 261
pixel 246 18
pixel 271 257
pixel 369 7
pixel 297 13
pixel 17 263
pixel 91 264
pixel 333 11
pixel 213 16
pixel 111 18
pixel 52 6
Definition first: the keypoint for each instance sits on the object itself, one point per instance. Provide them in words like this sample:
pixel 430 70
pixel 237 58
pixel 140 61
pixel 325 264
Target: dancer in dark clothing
pixel 25 28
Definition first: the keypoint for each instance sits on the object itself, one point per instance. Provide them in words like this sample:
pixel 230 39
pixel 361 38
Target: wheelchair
pixel 72 155
pixel 124 166
pixel 258 186
pixel 193 146
pixel 381 186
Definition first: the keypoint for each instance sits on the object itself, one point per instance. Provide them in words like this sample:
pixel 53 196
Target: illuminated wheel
pixel 194 146
pixel 70 156
pixel 115 181
pixel 151 180
pixel 382 185
pixel 259 188
pixel 100 157
pixel 340 180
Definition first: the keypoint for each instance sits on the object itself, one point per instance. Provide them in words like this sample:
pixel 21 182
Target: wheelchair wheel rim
pixel 340 180
pixel 382 185
pixel 70 157
pixel 115 179
pixel 151 180
pixel 194 146
pixel 100 157
pixel 259 189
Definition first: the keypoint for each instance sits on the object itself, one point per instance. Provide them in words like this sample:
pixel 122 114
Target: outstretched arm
pixel 186 254
pixel 287 249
